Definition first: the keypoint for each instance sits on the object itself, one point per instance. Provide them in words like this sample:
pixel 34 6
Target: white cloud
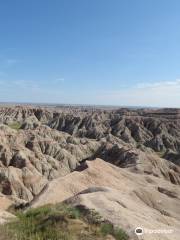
pixel 28 91
pixel 7 63
pixel 159 84
pixel 21 84
pixel 158 94
pixel 2 73
pixel 59 80
pixel 11 61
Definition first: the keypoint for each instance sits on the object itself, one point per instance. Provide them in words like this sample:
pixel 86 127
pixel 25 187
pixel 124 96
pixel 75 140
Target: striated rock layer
pixel 44 153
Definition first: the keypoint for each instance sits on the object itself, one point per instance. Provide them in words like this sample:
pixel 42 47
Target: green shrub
pixel 106 229
pixel 69 211
pixel 15 125
pixel 93 217
pixel 118 233
pixel 58 222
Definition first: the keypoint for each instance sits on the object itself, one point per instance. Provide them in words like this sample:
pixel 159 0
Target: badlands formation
pixel 123 163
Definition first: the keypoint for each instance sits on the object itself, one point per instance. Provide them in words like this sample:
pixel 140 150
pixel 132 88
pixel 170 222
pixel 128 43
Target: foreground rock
pixel 5 217
pixel 5 203
pixel 128 200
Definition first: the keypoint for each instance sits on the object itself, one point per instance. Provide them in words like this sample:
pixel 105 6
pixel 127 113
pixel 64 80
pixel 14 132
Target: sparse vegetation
pixel 160 154
pixel 92 217
pixel 117 233
pixel 57 222
pixel 15 125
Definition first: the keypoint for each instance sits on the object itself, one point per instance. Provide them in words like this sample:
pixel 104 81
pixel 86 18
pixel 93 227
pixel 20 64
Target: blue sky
pixel 90 52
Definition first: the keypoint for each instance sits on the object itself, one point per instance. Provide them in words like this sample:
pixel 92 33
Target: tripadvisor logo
pixel 139 231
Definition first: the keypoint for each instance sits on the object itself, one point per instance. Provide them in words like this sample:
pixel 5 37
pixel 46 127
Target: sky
pixel 104 52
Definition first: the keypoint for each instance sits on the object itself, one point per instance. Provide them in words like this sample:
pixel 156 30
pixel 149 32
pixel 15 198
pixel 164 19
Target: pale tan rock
pixel 5 217
pixel 126 199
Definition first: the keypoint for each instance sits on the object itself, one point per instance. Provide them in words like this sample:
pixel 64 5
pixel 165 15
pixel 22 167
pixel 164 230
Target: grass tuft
pixel 57 222
pixel 15 125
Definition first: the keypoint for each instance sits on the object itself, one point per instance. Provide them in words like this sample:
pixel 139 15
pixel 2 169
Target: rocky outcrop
pixel 52 142
pixel 30 158
pixel 156 130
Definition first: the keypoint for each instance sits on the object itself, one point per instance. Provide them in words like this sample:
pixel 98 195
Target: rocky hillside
pixel 40 146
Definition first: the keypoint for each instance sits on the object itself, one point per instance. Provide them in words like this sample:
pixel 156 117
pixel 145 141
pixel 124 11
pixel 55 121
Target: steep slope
pixel 126 199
